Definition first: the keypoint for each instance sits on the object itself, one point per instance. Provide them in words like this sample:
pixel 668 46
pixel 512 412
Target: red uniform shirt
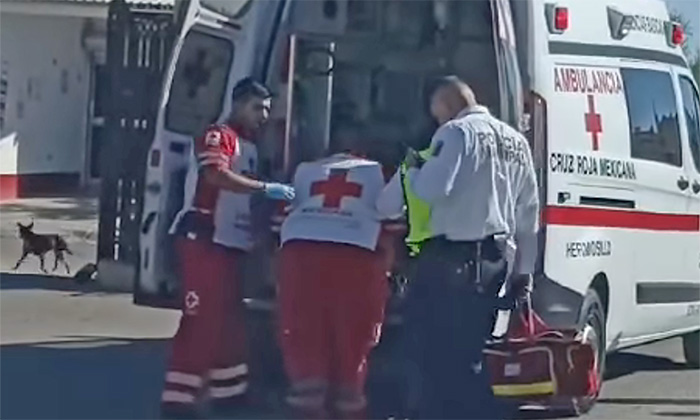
pixel 216 147
pixel 226 213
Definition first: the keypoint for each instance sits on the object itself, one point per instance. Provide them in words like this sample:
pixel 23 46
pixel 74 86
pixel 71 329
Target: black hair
pixel 249 88
pixel 455 83
pixel 439 82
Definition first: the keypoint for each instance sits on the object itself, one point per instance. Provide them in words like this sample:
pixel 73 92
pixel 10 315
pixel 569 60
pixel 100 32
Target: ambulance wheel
pixel 691 349
pixel 593 324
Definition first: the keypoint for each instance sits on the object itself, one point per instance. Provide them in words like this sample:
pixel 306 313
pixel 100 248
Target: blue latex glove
pixel 277 191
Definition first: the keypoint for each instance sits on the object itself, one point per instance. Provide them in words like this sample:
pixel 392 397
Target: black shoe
pixel 178 412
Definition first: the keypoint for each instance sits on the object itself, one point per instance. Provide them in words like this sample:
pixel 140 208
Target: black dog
pixel 39 245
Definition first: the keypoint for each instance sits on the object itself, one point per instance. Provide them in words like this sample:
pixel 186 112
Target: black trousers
pixel 449 313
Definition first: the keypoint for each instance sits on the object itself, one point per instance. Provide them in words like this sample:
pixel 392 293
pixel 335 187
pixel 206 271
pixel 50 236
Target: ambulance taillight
pixel 557 18
pixel 561 19
pixel 675 34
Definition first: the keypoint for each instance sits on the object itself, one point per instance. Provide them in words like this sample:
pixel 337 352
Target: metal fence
pixel 139 42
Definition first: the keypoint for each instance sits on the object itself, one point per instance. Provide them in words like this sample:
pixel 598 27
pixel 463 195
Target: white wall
pixel 8 154
pixel 48 88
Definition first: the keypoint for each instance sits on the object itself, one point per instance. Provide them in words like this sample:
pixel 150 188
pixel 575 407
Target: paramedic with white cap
pixel 481 187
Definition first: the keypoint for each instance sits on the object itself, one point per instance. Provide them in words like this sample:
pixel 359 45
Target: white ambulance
pixel 614 117
pixel 601 87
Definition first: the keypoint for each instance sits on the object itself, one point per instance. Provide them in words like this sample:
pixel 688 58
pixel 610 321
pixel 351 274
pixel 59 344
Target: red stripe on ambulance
pixel 624 219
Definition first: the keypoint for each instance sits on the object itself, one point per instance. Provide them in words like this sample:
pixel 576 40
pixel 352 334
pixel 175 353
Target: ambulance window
pixel 653 116
pixel 199 83
pixel 691 107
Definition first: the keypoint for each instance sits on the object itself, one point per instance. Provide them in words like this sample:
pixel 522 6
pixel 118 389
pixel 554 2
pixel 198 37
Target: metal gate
pixel 139 41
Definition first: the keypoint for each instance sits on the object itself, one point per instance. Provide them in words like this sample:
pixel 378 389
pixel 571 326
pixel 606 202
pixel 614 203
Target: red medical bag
pixel 534 365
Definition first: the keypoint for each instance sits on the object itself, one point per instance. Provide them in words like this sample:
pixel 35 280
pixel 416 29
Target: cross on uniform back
pixel 335 188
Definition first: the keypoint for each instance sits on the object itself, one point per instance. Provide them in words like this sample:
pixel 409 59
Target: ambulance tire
pixel 691 349
pixel 593 317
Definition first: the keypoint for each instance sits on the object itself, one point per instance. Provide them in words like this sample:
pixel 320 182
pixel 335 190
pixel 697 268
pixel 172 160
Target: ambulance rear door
pixel 214 48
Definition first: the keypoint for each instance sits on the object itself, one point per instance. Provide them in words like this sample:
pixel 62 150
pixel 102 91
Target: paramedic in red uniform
pixel 212 230
pixel 333 285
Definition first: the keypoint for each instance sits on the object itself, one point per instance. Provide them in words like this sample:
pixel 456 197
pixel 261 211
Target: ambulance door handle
pixel 683 183
pixel 696 187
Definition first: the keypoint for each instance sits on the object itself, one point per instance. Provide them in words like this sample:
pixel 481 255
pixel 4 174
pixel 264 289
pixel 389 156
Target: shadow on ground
pixel 627 363
pixel 89 377
pixel 679 414
pixel 73 208
pixel 100 378
pixel 15 281
pixel 693 402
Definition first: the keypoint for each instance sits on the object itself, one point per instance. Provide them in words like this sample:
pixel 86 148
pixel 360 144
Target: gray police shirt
pixel 480 181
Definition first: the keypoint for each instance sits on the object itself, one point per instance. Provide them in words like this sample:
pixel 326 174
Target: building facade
pixel 52 89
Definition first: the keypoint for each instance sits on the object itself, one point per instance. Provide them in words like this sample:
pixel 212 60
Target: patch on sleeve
pixel 213 138
pixel 438 148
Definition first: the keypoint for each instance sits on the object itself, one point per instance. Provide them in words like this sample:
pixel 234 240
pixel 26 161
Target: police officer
pixel 480 184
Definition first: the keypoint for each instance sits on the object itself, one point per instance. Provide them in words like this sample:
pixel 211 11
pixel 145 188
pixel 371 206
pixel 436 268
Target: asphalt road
pixel 78 353
pixel 74 218
pixel 75 352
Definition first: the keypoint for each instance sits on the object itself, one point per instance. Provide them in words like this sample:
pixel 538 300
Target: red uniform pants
pixel 208 350
pixel 332 299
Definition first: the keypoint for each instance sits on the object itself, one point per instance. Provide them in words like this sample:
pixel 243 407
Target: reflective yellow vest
pixel 417 210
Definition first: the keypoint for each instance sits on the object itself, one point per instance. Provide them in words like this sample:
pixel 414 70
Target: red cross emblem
pixel 191 300
pixel 335 189
pixel 594 123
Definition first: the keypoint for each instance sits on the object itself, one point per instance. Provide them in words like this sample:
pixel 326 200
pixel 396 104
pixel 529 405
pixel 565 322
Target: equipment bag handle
pixel 527 315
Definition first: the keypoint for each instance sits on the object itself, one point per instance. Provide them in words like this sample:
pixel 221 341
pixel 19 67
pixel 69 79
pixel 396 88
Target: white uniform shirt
pixel 232 216
pixel 390 203
pixel 481 181
pixel 335 202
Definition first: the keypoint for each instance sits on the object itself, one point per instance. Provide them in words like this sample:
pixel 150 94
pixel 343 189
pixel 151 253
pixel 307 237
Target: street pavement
pixel 76 352
pixel 74 218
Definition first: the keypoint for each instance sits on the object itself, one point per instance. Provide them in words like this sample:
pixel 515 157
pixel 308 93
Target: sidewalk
pixel 73 217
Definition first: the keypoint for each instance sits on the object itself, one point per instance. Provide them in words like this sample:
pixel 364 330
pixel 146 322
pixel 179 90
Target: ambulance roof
pixel 634 29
